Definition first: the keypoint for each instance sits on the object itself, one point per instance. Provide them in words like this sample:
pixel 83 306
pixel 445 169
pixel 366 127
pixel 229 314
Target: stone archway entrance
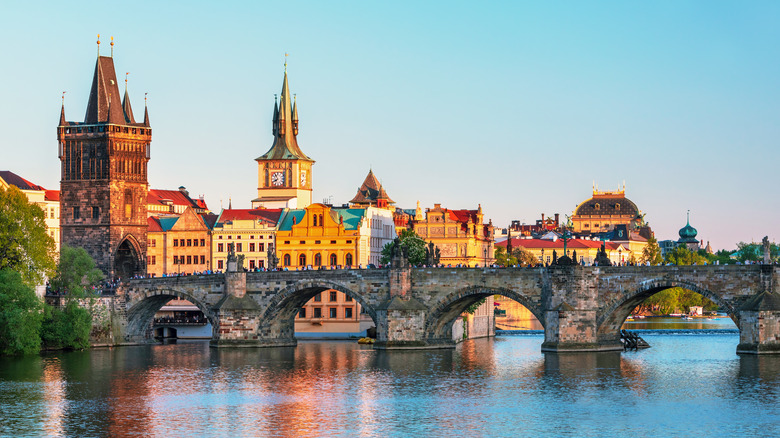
pixel 127 261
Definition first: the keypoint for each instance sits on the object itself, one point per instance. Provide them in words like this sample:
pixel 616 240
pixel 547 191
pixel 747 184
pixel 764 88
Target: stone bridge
pixel 581 308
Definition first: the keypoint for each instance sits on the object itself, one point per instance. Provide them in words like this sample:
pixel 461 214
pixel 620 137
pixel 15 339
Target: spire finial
pixel 63 98
pixel 689 217
pixel 112 48
pixel 145 99
pixel 98 44
pixel 126 73
pixel 285 62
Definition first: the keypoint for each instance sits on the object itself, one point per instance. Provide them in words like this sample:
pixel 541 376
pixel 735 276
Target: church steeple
pixel 285 146
pixel 63 122
pixel 128 110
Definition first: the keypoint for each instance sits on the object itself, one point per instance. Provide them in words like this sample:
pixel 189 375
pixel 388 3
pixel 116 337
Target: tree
pixel 76 273
pixel 411 243
pixel 502 259
pixel 682 256
pixel 754 252
pixel 525 257
pixel 66 328
pixel 25 247
pixel 20 315
pixel 651 253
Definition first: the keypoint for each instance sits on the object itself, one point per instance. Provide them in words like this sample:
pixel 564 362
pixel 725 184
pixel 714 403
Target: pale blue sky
pixel 518 106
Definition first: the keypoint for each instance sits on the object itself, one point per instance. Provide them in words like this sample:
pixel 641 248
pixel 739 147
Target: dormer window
pixel 617 207
pixel 597 206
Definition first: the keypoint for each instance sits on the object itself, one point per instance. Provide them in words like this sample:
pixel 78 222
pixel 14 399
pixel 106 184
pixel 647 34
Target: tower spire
pixel 98 45
pixel 112 51
pixel 146 112
pixel 126 108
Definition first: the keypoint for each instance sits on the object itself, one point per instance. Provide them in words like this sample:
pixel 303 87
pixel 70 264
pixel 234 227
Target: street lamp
pixel 542 257
pixel 484 252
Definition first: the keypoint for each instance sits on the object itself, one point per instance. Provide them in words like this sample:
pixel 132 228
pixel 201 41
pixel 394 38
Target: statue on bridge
pixel 273 260
pixel 432 254
pixel 602 259
pixel 767 255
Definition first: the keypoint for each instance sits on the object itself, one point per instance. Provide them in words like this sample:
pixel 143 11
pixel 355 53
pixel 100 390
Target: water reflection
pixel 502 386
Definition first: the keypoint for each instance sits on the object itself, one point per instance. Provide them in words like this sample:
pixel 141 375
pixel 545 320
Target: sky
pixel 518 106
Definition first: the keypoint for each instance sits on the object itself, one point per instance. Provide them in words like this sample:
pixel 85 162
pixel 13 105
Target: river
pixel 688 383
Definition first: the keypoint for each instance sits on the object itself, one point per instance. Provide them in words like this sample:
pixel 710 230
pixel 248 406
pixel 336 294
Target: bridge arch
pixel 278 320
pixel 145 304
pixel 438 323
pixel 614 313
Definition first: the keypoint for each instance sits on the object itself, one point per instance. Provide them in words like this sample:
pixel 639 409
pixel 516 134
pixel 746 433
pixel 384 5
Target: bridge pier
pixel 571 317
pixel 759 325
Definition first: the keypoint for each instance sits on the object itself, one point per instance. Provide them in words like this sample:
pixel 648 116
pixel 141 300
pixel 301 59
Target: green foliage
pixel 411 243
pixel 682 256
pixel 502 259
pixel 20 315
pixel 473 308
pixel 76 273
pixel 754 252
pixel 722 257
pixel 25 247
pixel 652 253
pixel 67 328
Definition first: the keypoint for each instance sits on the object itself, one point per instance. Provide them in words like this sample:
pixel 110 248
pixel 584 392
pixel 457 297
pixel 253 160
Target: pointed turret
pixel 104 90
pixel 370 192
pixel 275 123
pixel 295 116
pixel 146 116
pixel 63 122
pixel 128 110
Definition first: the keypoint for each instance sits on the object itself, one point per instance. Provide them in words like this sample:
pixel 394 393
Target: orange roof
pixel 154 224
pixel 156 196
pixel 52 195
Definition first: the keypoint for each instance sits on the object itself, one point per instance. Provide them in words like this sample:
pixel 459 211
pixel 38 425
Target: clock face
pixel 303 177
pixel 277 178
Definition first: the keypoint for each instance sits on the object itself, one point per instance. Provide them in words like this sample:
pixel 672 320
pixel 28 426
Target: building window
pixel 189 242
pixel 617 207
pixel 333 296
pixel 95 212
pixel 261 247
pixel 220 264
pixel 175 260
pixel 333 260
pixel 153 243
pixel 202 242
pixel 302 260
pixel 287 260
pixel 317 312
pixel 348 261
pixel 202 260
pixel 332 242
pixel 251 264
pixel 348 313
pixel 597 206
pixel 76 213
pixel 348 298
pixel 181 242
pixel 252 247
pixel 220 247
pixel 315 220
pixel 302 312
pixel 194 242
pixel 175 242
pixel 318 297
pixel 189 260
pixel 333 312
pixel 349 241
pixel 261 263
pixel 238 247
pixel 317 259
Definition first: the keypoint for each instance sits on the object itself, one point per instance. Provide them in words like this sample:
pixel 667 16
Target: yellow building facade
pixel 461 236
pixel 248 232
pixel 178 245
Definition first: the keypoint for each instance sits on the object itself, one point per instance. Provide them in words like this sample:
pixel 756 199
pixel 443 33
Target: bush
pixel 67 328
pixel 20 315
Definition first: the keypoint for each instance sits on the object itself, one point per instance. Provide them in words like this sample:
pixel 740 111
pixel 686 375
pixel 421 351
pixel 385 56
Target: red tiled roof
pixel 18 181
pixel 154 224
pixel 270 215
pixel 52 195
pixel 156 196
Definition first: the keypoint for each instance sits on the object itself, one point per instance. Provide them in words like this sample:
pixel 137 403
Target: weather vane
pixel 98 44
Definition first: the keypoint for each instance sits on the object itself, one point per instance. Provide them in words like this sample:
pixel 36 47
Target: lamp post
pixel 484 252
pixel 542 256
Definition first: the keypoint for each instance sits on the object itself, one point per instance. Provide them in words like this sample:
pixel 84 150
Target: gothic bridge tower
pixel 284 177
pixel 104 183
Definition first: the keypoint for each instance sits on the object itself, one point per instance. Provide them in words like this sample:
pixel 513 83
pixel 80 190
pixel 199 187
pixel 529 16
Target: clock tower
pixel 284 177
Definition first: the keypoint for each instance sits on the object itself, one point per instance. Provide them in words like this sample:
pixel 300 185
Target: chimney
pixel 184 190
pixel 557 215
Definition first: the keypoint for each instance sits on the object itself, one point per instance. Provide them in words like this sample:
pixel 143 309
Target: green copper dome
pixel 688 233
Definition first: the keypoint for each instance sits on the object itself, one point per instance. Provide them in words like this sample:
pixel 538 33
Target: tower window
pixel 76 213
pixel 95 212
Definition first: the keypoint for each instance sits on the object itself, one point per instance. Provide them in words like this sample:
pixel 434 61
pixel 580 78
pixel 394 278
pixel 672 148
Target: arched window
pixel 266 178
pixel 289 179
pixel 597 206
pixel 321 222
pixel 315 220
pixel 287 260
pixel 302 260
pixel 317 259
pixel 617 207
pixel 333 261
pixel 128 203
pixel 348 260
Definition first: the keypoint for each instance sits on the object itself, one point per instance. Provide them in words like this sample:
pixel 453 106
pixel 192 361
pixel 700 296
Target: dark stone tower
pixel 104 182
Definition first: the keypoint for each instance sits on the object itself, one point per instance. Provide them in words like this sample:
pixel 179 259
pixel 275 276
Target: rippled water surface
pixel 687 384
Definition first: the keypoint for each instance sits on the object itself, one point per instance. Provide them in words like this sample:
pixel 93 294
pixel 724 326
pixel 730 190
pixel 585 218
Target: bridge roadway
pixel 581 308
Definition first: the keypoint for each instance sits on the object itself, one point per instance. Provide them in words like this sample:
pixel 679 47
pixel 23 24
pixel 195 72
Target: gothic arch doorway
pixel 127 259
